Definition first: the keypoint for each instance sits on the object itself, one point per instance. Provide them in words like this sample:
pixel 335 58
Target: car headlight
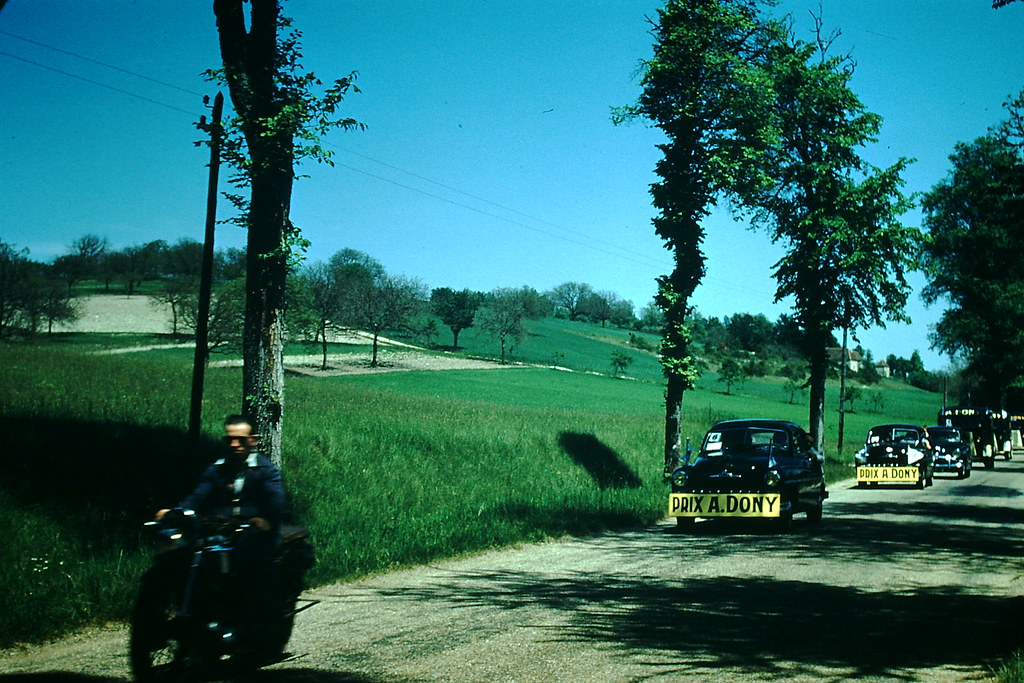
pixel 679 477
pixel 772 479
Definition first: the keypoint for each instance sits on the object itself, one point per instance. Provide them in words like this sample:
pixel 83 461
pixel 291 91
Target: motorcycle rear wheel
pixel 156 651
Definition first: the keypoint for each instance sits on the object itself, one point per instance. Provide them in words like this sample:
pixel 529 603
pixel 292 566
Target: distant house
pixel 853 359
pixel 883 369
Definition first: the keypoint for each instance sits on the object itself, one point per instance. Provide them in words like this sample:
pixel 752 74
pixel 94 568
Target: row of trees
pixel 32 295
pixel 769 124
pixel 973 260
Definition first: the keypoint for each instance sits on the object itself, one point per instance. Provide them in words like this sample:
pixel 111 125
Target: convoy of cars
pixel 768 469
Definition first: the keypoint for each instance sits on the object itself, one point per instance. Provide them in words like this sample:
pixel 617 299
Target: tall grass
pixel 386 470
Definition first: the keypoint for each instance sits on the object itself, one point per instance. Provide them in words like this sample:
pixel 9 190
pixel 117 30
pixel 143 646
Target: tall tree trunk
pixel 322 331
pixel 249 56
pixel 818 358
pixel 673 297
pixel 263 336
pixel 674 388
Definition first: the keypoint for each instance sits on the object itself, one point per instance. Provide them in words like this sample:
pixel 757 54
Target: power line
pixel 103 64
pixel 490 203
pixel 591 243
pixel 497 217
pixel 98 83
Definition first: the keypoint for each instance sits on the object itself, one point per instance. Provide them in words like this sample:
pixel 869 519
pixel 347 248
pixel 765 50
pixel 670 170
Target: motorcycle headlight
pixel 772 479
pixel 679 477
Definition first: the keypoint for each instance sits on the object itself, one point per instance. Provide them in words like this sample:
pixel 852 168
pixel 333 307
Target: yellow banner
pixel 724 505
pixel 905 475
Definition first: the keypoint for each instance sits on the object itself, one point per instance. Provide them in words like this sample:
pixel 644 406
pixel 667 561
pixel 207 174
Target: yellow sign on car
pixel 724 505
pixel 904 475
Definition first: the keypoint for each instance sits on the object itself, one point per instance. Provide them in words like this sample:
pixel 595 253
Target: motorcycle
pixel 194 617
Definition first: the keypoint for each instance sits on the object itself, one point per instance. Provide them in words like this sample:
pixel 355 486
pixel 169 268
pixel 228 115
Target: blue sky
pixel 489 158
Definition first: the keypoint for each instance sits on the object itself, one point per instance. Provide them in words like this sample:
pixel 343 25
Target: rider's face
pixel 238 439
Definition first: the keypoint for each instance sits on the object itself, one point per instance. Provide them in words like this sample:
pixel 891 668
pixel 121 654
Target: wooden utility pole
pixel 205 279
pixel 842 391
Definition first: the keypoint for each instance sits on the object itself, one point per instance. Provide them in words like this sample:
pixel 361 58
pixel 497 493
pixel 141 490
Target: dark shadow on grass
pixel 115 472
pixel 56 677
pixel 277 675
pixel 602 463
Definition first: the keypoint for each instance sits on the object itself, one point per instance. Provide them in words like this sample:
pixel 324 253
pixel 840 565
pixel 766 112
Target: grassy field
pixel 385 469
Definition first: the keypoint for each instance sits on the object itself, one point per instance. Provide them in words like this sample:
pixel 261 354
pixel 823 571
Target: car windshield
pixel 890 434
pixel 745 441
pixel 944 434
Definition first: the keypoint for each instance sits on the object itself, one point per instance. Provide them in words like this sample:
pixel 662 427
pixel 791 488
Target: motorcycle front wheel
pixel 156 648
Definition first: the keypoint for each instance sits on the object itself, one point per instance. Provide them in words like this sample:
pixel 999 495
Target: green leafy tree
pixel 706 88
pixel 749 332
pixel 731 371
pixel 320 302
pixel 972 261
pixel 505 311
pixel 795 374
pixel 456 309
pixel 847 254
pixel 571 297
pixel 620 362
pixel 376 304
pixel 279 121
pixel 14 269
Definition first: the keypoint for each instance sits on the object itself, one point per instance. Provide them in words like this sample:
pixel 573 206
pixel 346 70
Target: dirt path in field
pixel 142 314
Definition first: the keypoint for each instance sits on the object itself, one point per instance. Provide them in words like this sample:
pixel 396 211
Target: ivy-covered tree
pixel 279 121
pixel 706 88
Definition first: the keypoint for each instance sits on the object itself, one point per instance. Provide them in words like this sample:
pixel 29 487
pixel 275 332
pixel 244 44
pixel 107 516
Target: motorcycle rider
pixel 244 483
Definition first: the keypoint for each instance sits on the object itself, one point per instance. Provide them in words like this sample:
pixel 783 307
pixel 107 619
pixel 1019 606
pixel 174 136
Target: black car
pixel 895 453
pixel 952 451
pixel 750 468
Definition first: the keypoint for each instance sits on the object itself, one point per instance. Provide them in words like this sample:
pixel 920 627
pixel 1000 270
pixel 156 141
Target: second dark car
pixel 750 468
pixel 952 450
pixel 895 454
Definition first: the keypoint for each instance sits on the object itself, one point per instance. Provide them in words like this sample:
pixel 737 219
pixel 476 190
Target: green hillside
pixel 386 469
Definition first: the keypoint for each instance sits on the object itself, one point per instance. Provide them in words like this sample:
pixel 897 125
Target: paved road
pixel 895 584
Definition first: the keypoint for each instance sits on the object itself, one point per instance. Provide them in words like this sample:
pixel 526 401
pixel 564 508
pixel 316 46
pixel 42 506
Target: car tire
pixel 784 523
pixel 685 523
pixel 814 514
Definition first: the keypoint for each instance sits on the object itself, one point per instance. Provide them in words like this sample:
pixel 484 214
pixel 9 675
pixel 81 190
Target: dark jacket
pixel 254 490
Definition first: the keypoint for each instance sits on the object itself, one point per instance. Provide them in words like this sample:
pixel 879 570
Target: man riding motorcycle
pixel 245 484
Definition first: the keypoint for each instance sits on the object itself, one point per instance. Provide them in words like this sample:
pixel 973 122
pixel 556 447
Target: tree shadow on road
pixel 774 628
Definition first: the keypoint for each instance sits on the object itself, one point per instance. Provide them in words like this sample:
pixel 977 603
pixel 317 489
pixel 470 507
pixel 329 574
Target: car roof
pixel 757 422
pixel 902 425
